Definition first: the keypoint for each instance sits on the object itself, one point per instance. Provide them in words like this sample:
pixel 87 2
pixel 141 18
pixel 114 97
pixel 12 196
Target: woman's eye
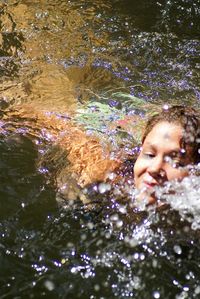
pixel 148 155
pixel 177 163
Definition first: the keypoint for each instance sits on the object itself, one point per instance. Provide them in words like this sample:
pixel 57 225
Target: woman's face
pixel 161 159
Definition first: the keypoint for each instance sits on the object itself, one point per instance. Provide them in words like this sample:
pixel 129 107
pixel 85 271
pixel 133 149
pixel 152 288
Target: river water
pixel 60 56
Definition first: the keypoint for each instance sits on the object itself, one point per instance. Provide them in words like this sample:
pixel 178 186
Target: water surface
pixel 60 56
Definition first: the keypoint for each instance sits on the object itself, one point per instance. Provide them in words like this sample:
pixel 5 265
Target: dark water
pixel 59 55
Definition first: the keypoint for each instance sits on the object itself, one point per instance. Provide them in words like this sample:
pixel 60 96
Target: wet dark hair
pixel 188 118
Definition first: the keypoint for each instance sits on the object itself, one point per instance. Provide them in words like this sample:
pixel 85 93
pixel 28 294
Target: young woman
pixel 171 142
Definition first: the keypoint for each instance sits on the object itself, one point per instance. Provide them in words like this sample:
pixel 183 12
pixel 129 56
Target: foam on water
pixel 184 197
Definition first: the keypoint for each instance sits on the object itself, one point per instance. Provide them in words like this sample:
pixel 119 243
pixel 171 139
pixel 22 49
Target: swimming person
pixel 170 143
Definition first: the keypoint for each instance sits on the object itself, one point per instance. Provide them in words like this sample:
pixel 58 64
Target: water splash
pixel 184 197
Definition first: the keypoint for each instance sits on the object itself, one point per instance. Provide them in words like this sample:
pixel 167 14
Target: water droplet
pixel 175 282
pixel 177 249
pixel 186 288
pixel 197 290
pixel 156 295
pixel 104 187
pixel 154 263
pixel 136 256
pixel 119 223
pixel 96 287
pixel 49 285
pixel 165 107
pixel 90 225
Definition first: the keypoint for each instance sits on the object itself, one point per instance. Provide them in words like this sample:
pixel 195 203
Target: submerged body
pixel 83 155
pixel 169 145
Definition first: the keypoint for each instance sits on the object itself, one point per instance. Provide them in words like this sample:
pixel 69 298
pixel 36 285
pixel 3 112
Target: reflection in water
pixel 63 56
pixel 153 63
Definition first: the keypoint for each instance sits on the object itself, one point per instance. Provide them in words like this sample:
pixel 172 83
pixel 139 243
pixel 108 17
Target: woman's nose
pixel 156 167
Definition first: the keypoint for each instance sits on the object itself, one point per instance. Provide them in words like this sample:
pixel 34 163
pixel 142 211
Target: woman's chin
pixel 145 198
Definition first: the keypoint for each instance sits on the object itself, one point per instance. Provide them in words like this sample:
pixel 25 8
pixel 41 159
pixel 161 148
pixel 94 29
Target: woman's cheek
pixel 174 173
pixel 139 168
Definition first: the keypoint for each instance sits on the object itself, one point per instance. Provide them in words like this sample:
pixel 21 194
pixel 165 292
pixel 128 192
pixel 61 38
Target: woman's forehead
pixel 165 131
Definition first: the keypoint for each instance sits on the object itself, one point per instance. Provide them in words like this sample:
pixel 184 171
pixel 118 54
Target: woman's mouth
pixel 149 185
pixel 149 182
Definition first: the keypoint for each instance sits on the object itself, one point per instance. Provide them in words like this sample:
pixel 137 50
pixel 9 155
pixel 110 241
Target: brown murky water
pixel 56 54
